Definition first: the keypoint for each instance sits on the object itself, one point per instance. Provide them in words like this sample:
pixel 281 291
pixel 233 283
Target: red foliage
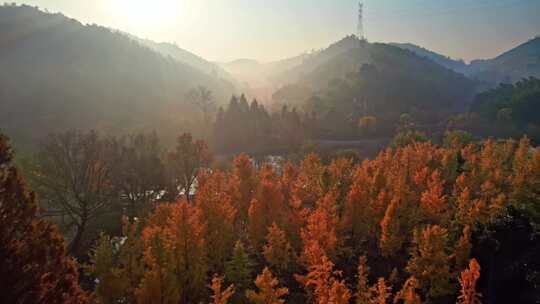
pixel 35 266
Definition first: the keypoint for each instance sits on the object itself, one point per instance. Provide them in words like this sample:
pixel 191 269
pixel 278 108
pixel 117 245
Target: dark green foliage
pixel 457 139
pixel 250 128
pixel 403 139
pixel 445 61
pixel 509 67
pixel 353 79
pixel 240 272
pixel 515 106
pixel 508 251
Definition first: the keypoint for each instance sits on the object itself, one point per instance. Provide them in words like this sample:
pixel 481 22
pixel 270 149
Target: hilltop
pixel 57 73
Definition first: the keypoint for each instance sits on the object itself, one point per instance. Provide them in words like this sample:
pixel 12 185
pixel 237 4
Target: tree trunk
pixel 75 245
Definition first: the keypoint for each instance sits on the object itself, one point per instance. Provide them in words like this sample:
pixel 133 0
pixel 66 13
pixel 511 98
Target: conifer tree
pixel 218 216
pixel 318 281
pixel 429 261
pixel 159 283
pixel 380 292
pixel 362 287
pixel 391 234
pixel 174 256
pixel 525 179
pixel 35 266
pixel 433 200
pixel 463 249
pixel 244 183
pixel 111 285
pixel 393 279
pixel 130 257
pixel 239 270
pixel 269 292
pixel 278 251
pixel 268 206
pixel 408 294
pixel 468 280
pixel 221 296
pixel 339 293
pixel 309 186
pixel 361 215
pixel 320 230
pixel 116 264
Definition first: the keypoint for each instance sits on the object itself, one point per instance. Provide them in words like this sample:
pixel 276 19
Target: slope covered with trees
pixel 520 62
pixel 509 110
pixel 414 225
pixel 445 61
pixel 57 74
pixel 354 79
pixel 249 127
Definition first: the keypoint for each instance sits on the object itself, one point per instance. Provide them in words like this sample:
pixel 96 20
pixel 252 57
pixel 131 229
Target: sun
pixel 151 14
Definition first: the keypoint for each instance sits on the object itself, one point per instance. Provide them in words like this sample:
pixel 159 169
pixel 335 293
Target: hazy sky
pixel 222 30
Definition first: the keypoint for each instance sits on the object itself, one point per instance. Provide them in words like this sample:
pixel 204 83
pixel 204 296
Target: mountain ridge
pixel 57 73
pixel 519 62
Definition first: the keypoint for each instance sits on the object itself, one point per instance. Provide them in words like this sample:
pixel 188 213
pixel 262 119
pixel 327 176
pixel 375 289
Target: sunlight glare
pixel 152 14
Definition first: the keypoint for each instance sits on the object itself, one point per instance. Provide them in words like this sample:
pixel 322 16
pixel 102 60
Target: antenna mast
pixel 360 30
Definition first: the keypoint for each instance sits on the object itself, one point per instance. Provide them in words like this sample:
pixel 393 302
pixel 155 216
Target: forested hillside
pixel 453 64
pixel 507 110
pixel 57 74
pixel 354 79
pixel 520 62
pixel 417 224
pixel 137 172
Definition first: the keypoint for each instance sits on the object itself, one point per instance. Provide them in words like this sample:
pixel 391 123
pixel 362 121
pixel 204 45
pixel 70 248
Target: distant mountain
pixel 261 79
pixel 253 72
pixel 186 57
pixel 456 65
pixel 349 55
pixel 510 67
pixel 353 78
pixel 243 69
pixel 313 61
pixel 57 74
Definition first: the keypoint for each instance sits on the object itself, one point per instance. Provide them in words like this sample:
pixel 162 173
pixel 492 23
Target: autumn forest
pixel 133 171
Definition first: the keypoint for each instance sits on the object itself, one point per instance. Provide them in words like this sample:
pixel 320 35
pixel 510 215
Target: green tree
pixel 457 139
pixel 429 261
pixel 239 270
pixel 408 137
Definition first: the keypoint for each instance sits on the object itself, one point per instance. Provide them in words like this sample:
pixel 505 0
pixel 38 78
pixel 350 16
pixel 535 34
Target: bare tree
pixel 139 173
pixel 202 98
pixel 75 174
pixel 184 164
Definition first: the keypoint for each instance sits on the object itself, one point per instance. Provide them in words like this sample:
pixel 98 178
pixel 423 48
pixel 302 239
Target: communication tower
pixel 360 30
